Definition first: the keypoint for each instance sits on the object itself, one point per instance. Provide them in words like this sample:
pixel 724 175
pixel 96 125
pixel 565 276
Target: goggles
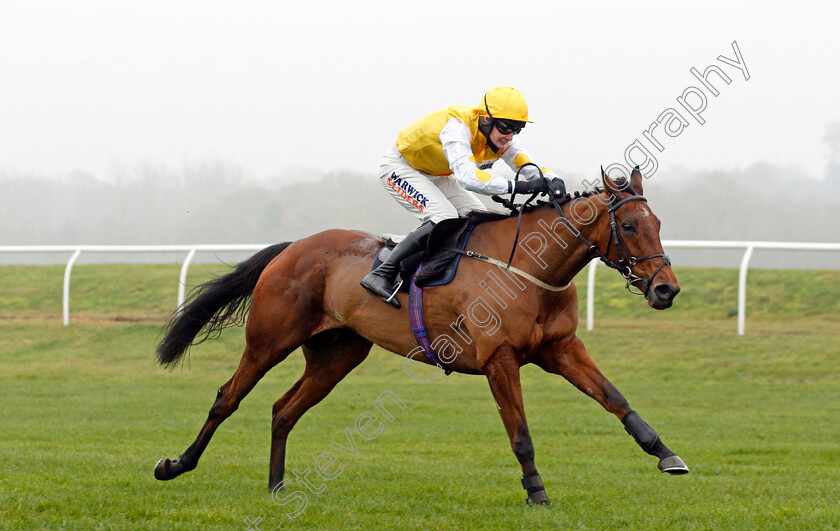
pixel 507 128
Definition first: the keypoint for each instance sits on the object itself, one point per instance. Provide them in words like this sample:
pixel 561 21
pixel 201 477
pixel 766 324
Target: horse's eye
pixel 628 226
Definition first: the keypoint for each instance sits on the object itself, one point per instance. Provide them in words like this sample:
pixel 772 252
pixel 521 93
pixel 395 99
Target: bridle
pixel 626 260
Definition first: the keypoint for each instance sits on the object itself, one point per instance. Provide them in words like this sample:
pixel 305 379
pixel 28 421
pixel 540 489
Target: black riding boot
pixel 380 281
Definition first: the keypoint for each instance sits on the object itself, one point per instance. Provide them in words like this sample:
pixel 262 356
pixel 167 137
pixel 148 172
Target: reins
pixel 626 260
pixel 509 203
pixel 521 208
pixel 515 270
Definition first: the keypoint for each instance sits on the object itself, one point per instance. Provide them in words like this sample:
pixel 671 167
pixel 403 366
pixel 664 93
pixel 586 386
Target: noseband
pixel 626 260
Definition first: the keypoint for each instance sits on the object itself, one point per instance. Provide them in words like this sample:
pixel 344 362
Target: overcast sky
pixel 269 86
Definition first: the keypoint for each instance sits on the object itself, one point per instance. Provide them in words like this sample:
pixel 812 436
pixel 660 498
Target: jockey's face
pixel 500 140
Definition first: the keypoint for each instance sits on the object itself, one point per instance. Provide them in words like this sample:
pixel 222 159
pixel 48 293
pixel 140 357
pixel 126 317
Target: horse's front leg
pixel 569 358
pixel 502 372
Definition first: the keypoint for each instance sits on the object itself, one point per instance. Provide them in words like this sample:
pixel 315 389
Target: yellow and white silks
pixel 446 150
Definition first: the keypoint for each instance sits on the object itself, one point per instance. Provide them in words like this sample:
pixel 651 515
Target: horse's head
pixel 634 244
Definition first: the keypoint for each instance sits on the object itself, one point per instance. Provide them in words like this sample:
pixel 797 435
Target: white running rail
pixel 76 250
pixel 749 247
pixel 191 250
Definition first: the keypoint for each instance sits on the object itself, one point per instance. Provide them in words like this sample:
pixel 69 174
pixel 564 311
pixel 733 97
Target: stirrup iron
pixel 396 290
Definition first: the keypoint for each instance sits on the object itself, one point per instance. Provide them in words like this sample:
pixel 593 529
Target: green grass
pixel 150 292
pixel 105 291
pixel 86 414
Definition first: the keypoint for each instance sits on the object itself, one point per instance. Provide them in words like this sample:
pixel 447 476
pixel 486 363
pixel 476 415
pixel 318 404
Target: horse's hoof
pixel 163 470
pixel 537 498
pixel 673 465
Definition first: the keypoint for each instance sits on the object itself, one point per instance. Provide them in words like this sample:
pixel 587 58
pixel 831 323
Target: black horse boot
pixel 380 281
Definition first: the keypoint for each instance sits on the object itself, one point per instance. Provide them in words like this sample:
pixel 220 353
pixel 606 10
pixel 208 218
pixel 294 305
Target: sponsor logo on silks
pixel 408 192
pixel 486 165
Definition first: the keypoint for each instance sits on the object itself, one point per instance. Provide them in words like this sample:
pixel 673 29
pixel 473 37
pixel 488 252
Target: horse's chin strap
pixel 626 260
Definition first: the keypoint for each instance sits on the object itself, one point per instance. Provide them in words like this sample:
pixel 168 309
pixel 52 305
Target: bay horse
pixel 307 294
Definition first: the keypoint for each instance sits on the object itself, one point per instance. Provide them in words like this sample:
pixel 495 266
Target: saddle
pixel 436 265
pixel 440 262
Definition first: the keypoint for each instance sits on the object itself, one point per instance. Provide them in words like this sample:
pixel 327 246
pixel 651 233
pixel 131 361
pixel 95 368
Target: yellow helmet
pixel 505 103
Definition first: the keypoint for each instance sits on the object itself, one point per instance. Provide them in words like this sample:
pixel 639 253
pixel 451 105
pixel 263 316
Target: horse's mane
pixel 478 216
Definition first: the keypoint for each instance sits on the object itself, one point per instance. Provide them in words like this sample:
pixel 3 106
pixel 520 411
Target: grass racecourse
pixel 86 413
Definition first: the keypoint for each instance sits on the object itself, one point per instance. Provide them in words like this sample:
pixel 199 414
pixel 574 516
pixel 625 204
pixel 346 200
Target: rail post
pixel 65 299
pixel 742 289
pixel 182 280
pixel 590 295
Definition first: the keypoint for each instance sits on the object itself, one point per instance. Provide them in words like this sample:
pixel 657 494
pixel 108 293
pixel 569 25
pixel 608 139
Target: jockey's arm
pixel 516 157
pixel 455 138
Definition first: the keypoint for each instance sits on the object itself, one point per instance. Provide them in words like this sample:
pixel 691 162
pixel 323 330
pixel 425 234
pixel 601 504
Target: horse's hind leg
pixel 569 359
pixel 502 372
pixel 330 356
pixel 251 369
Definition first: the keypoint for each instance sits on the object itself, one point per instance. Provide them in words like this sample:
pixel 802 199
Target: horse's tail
pixel 215 305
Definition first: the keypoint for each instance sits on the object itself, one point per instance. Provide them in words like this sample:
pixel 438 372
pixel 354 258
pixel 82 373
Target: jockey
pixel 440 160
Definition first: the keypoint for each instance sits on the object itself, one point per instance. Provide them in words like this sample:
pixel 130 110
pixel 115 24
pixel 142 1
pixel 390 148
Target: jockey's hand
pixel 538 184
pixel 557 187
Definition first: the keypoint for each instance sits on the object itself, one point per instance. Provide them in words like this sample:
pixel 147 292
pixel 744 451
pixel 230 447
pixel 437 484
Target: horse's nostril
pixel 664 292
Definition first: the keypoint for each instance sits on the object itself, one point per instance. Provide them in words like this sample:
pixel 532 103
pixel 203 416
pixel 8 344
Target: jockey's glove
pixel 553 188
pixel 557 187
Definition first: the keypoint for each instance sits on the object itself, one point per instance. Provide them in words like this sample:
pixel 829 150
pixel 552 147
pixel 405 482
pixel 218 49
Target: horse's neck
pixel 551 250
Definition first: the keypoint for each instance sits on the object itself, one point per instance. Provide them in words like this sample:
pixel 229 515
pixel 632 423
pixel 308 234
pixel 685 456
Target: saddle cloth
pixel 440 263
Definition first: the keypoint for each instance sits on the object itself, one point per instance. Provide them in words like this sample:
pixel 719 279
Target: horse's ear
pixel 636 181
pixel 611 187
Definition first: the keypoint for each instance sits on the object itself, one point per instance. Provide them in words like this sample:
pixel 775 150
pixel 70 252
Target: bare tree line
pixel 217 203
